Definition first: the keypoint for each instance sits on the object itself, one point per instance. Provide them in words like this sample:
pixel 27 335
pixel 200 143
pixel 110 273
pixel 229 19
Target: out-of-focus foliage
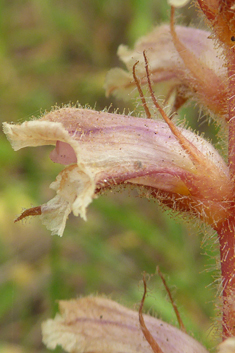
pixel 54 52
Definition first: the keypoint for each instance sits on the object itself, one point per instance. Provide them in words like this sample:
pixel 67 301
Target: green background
pixel 58 52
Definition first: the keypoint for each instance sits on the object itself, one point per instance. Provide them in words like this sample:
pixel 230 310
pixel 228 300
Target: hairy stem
pixel 226 230
pixel 231 111
pixel 226 233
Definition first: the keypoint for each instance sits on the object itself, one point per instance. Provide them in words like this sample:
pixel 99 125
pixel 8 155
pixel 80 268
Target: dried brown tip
pixel 137 82
pixel 187 146
pixel 180 322
pixel 149 338
pixel 34 211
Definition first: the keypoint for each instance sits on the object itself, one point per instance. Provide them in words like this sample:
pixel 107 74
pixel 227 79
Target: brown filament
pixel 137 82
pixel 180 322
pixel 193 152
pixel 149 338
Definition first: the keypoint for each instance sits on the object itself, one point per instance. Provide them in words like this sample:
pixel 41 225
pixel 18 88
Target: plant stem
pixel 231 110
pixel 226 233
pixel 226 229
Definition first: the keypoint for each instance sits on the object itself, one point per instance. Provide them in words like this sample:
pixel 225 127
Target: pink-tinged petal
pixel 170 74
pixel 95 324
pixel 227 346
pixel 159 41
pixel 63 154
pixel 110 149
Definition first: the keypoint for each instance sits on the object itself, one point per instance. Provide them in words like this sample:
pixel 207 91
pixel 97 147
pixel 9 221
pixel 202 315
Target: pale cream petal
pixel 75 191
pixel 178 3
pixel 118 78
pixel 34 133
pixel 227 346
pixel 95 324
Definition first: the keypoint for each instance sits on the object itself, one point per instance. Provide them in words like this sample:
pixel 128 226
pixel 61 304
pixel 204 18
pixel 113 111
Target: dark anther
pixel 233 38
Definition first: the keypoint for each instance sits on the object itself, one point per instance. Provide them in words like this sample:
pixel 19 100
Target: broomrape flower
pixel 103 150
pixel 182 170
pixel 96 324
